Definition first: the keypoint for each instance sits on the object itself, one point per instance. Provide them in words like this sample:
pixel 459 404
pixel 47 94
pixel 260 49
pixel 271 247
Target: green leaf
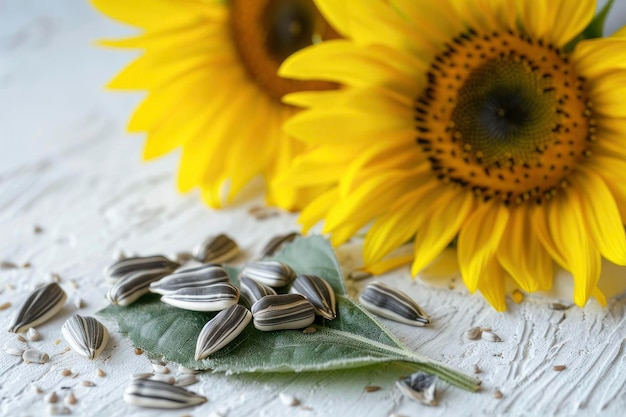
pixel 595 29
pixel 354 339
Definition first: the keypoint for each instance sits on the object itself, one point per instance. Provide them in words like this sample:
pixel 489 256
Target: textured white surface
pixel 67 166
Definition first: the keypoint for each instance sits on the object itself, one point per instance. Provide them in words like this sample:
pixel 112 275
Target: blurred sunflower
pixel 480 121
pixel 209 68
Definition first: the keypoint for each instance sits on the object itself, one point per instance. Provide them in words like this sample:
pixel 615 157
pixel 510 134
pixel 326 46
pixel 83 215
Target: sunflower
pixel 478 122
pixel 209 69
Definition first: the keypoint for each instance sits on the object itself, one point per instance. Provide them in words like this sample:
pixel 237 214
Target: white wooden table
pixel 67 166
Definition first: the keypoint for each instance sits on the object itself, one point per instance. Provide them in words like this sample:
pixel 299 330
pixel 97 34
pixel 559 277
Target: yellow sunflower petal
pixel 337 13
pixel 386 265
pixel 608 95
pixel 492 286
pixel 556 21
pixel 595 57
pixel 317 209
pixel 599 296
pixel 147 14
pixel 478 240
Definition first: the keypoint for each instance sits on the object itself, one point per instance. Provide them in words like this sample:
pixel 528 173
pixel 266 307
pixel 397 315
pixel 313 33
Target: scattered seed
pixel 100 373
pixel 73 284
pixel 558 306
pixel 54 277
pixel 497 394
pixel 160 369
pixel 420 387
pixel 142 375
pixel 185 380
pixel 138 351
pixel 372 388
pixel 288 400
pixel 88 384
pixel 156 394
pixel 70 399
pixel 132 286
pixel 37 229
pixel 195 277
pixel 136 264
pixel 309 330
pixel 221 330
pixel 490 336
pixel 86 335
pixel 282 312
pixel 35 356
pixel 517 296
pixel 214 297
pixel 66 372
pixel 41 305
pixel 477 370
pixel 57 341
pixel 8 265
pixel 559 368
pixel 216 249
pixel 184 370
pixel 163 378
pixel 32 334
pixel 319 293
pixel 359 275
pixel 26 265
pixel 55 410
pixel 78 302
pixel 473 333
pixel 36 389
pixel 390 303
pixel 5 305
pixel 52 397
pixel 271 273
pixel 276 243
pixel 20 338
pixel 14 351
pixel 252 291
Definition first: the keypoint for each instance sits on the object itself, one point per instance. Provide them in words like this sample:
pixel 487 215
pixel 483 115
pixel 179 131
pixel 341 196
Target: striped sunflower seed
pixel 132 286
pixel 221 330
pixel 194 277
pixel 128 266
pixel 216 249
pixel 393 304
pixel 214 297
pixel 271 273
pixel 85 335
pixel 157 394
pixel 319 293
pixel 276 243
pixel 40 306
pixel 252 291
pixel 282 312
pixel 420 387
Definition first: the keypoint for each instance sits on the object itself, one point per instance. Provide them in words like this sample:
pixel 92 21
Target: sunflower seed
pixel 40 306
pixel 309 330
pixel 559 368
pixel 490 336
pixel 168 379
pixel 88 384
pixel 216 249
pixel 138 351
pixel 473 333
pixel 156 394
pixel 252 291
pixel 288 400
pixel 319 293
pixel 282 312
pixel 420 387
pixel 271 273
pixel 32 334
pixel 8 265
pixel 14 351
pixel 276 243
pixel 100 373
pixel 497 394
pixel 393 304
pixel 132 286
pixel 128 266
pixel 160 369
pixel 70 399
pixel 86 335
pixel 372 388
pixel 221 330
pixel 52 397
pixel 35 356
pixel 6 305
pixel 185 380
pixel 558 306
pixel 55 410
pixel 66 372
pixel 201 276
pixel 20 338
pixel 215 297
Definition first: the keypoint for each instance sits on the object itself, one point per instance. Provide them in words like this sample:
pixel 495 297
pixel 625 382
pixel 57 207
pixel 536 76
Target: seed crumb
pixel 70 399
pixel 100 372
pixel 558 307
pixel 56 342
pixel 477 370
pixel 54 277
pixel 306 408
pixel 37 390
pixel 73 284
pixel 517 296
pixel 372 388
pixel 52 397
pixel 309 330
pixel 66 372
pixel 288 400
pixel 138 351
pixel 497 394
pixel 559 368
pixel 20 338
pixel 88 384
pixel 55 410
pixel 5 305
pixel 7 265
pixel 37 229
pixel 26 265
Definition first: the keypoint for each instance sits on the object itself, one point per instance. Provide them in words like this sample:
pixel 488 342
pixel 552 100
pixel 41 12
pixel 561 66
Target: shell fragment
pixel 35 356
pixel 216 249
pixel 221 330
pixel 271 273
pixel 40 306
pixel 85 335
pixel 282 312
pixel 129 288
pixel 199 276
pixel 319 293
pixel 157 394
pixel 214 297
pixel 420 387
pixel 128 266
pixel 395 305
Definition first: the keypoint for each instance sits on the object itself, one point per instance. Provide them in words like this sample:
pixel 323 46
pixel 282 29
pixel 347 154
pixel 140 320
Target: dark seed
pixel 319 293
pixel 282 312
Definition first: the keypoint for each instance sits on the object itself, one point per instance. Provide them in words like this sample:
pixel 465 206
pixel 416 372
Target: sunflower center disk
pixel 266 32
pixel 505 116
